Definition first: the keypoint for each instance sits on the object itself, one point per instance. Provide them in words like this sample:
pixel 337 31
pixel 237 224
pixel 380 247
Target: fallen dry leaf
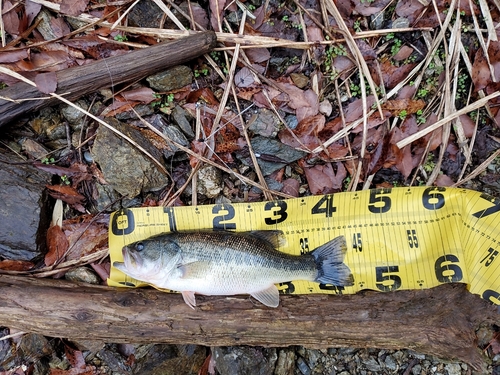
pixel 322 179
pixel 16 265
pixel 396 106
pixel 73 7
pixel 46 82
pixel 67 194
pixel 480 71
pixel 57 245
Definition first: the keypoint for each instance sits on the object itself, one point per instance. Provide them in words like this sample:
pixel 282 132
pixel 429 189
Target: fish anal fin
pixel 189 298
pixel 269 297
pixel 274 237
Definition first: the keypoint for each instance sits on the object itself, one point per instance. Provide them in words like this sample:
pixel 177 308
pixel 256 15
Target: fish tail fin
pixel 329 260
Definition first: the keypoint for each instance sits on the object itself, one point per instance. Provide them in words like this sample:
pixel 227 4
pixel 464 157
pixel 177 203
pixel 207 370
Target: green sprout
pixel 402 115
pixel 65 179
pixel 120 38
pixel 47 160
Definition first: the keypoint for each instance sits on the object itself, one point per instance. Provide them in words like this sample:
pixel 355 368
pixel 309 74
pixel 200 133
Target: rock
pixel 209 181
pixel 124 167
pixel 142 110
pixel 244 360
pixel 172 132
pixel 34 346
pixel 171 79
pixel 113 360
pixel 75 117
pixel 276 151
pixel 400 23
pixel 23 220
pixel 264 123
pixel 303 367
pixel 390 363
pixel 169 359
pixel 286 362
pixel 8 357
pixel 453 368
pixel 372 364
pixel 82 275
pixel 181 118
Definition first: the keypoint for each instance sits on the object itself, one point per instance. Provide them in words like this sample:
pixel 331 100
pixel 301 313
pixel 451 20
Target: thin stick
pixel 471 107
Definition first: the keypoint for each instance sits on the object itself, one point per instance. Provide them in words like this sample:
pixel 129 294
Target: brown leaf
pixel 495 343
pixel 216 12
pixel 291 187
pixel 322 179
pixel 444 180
pixel 142 94
pixel 46 82
pixel 32 10
pixel 57 244
pixel 16 265
pixel 73 7
pixel 13 56
pixel 409 9
pixel 199 14
pixel 10 18
pixel 258 55
pixel 392 75
pixel 244 78
pixel 468 125
pixel 50 60
pixel 480 71
pixel 85 238
pixel 59 27
pixel 65 193
pixel 78 172
pixel 396 106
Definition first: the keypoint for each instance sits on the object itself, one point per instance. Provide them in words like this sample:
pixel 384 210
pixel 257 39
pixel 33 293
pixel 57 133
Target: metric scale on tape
pixel 399 238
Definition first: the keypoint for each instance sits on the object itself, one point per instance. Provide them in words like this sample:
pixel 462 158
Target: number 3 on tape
pixel 399 238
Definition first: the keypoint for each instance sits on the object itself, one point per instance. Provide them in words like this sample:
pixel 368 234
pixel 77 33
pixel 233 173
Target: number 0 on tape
pixel 399 238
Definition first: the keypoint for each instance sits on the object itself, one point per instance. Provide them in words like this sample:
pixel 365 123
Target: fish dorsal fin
pixel 274 237
pixel 269 297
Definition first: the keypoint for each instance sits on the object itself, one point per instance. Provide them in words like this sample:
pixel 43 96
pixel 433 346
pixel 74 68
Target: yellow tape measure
pixel 399 238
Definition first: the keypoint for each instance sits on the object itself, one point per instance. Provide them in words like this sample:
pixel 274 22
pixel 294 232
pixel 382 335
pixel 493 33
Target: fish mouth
pixel 130 258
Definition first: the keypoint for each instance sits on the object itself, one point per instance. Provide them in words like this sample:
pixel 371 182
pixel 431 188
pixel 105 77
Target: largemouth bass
pixel 227 263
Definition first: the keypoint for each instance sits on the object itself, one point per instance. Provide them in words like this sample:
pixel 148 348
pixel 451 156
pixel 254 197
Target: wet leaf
pixel 409 9
pixel 291 187
pixel 66 193
pixel 199 15
pixel 57 244
pixel 468 125
pixel 16 265
pixel 73 7
pixel 46 82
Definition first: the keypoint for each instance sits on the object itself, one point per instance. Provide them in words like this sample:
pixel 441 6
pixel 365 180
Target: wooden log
pixel 439 321
pixel 78 81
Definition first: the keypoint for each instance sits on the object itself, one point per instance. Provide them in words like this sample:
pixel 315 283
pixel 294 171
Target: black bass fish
pixel 227 263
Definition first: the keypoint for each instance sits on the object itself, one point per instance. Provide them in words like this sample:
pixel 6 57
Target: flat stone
pixel 171 79
pixel 21 214
pixel 244 360
pixel 264 123
pixel 128 170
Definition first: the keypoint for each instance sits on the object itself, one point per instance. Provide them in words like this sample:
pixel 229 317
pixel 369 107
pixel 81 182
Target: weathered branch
pixel 81 80
pixel 439 321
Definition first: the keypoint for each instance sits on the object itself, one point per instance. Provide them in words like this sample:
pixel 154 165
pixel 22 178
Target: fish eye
pixel 139 246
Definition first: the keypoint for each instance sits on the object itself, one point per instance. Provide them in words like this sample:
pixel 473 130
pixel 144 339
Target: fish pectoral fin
pixel 189 298
pixel 193 270
pixel 269 297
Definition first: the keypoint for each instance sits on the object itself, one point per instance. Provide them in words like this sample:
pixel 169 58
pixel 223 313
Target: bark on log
pixel 439 321
pixel 89 78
